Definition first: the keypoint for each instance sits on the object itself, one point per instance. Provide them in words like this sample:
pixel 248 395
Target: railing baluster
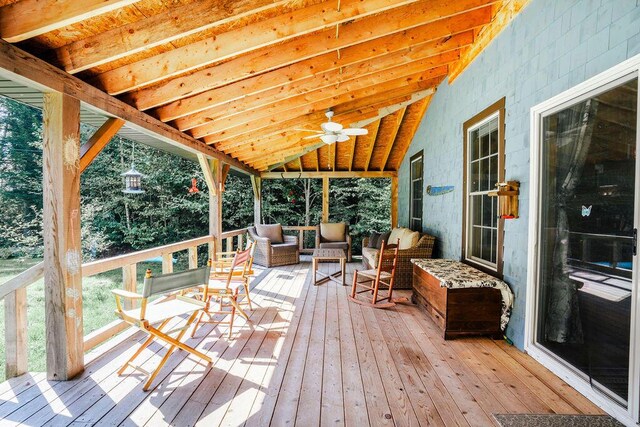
pixel 240 241
pixel 15 334
pixel 193 257
pixel 229 243
pixel 130 283
pixel 300 240
pixel 167 263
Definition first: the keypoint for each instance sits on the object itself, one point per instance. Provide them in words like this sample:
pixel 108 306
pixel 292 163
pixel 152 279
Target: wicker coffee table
pixel 336 255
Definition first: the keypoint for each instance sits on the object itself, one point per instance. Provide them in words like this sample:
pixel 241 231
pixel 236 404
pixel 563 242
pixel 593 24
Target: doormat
pixel 555 420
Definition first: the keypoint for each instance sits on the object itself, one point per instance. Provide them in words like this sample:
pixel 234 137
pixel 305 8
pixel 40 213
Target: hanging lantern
pixel 194 187
pixel 132 181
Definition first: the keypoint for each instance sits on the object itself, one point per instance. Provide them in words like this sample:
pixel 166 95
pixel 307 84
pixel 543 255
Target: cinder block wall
pixel 551 46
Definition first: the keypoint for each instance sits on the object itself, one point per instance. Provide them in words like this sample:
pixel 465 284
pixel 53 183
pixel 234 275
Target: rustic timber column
pixel 15 332
pixel 325 199
pixel 256 183
pixel 394 202
pixel 61 232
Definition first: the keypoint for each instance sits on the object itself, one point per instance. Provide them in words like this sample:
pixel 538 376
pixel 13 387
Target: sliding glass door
pixel 586 235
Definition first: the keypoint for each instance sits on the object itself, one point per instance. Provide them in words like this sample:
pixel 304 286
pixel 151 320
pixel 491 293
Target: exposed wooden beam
pixel 22 67
pixel 390 138
pixel 156 30
pixel 327 69
pixel 61 233
pixel 376 41
pixel 207 173
pixel 372 136
pixel 225 171
pixel 30 18
pixel 329 174
pixel 242 40
pixel 322 99
pixel 507 10
pixel 412 119
pixel 377 68
pixel 90 149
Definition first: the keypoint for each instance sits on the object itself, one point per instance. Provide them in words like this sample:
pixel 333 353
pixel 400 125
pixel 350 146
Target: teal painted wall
pixel 551 46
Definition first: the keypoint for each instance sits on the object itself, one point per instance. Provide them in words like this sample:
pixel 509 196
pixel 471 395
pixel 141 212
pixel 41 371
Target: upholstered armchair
pixel 272 247
pixel 334 236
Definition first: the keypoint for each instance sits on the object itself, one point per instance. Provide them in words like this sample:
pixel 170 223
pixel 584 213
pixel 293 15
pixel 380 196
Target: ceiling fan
pixel 334 132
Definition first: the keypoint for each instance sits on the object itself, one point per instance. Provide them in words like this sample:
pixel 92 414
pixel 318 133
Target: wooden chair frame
pixel 182 281
pixel 227 296
pixel 372 283
pixel 224 261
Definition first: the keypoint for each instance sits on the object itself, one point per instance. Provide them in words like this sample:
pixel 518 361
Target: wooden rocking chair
pixel 373 280
pixel 148 315
pixel 223 287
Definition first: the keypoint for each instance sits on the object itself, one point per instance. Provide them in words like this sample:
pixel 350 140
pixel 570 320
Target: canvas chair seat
pixel 156 313
pixel 233 284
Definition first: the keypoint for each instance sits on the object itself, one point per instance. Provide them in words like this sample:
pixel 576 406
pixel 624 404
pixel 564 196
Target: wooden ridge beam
pixel 312 68
pixel 22 67
pixel 329 174
pixel 371 42
pixel 90 150
pixel 30 18
pixel 346 113
pixel 506 12
pixel 156 30
pixel 324 98
pixel 419 59
pixel 242 40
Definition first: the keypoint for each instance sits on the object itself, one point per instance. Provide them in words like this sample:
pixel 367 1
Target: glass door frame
pixel 610 78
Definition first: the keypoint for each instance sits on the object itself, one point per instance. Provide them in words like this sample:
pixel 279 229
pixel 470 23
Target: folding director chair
pixel 147 316
pixel 223 288
pixel 222 265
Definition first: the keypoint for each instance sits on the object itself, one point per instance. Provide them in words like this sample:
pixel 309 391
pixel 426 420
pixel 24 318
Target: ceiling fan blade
pixel 355 131
pixel 313 136
pixel 331 127
pixel 307 130
pixel 329 139
pixel 342 137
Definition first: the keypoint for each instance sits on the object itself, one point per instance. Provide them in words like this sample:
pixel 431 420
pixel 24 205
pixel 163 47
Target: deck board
pixel 309 358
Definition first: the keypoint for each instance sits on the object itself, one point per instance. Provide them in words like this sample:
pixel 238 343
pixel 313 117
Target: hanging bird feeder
pixel 194 187
pixel 132 181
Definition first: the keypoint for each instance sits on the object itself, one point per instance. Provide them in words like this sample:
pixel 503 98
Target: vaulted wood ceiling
pixel 245 76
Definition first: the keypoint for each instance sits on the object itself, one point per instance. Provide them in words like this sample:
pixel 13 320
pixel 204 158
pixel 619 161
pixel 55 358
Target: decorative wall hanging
pixel 439 191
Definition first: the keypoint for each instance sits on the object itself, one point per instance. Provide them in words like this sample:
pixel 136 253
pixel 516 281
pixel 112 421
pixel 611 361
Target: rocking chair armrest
pixel 126 294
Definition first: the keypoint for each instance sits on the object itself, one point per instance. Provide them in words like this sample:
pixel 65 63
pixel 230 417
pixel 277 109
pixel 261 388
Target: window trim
pixel 418 155
pixel 480 118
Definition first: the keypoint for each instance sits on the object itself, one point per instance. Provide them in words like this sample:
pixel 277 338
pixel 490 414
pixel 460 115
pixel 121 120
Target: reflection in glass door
pixel 586 236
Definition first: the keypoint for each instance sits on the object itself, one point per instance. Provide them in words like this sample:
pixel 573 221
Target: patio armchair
pixel 272 247
pixel 411 246
pixel 334 236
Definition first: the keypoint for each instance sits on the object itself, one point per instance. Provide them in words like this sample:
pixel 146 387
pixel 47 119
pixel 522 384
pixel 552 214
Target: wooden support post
pixel 130 283
pixel 325 199
pixel 394 202
pixel 61 232
pixel 167 263
pixel 256 183
pixel 15 333
pixel 213 174
pixel 193 257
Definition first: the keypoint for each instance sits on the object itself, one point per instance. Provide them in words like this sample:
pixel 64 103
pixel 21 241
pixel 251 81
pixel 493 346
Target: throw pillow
pixel 273 232
pixel 333 232
pixel 384 237
pixel 409 240
pixel 396 234
pixel 374 240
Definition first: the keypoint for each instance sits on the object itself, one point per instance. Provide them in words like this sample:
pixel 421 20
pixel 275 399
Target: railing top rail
pixel 300 227
pixel 100 266
pixel 232 233
pixel 24 279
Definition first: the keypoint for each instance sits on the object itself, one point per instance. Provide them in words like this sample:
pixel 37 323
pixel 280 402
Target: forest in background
pixel 114 222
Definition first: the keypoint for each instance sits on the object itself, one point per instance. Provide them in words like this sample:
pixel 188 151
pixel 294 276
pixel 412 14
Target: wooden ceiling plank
pixel 407 131
pixel 299 50
pixel 346 113
pixel 284 27
pixel 267 32
pixel 156 30
pixel 30 18
pixel 507 10
pixel 392 138
pixel 22 67
pixel 327 97
pixel 309 68
pixel 240 105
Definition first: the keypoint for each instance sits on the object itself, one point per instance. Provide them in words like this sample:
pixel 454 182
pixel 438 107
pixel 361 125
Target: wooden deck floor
pixel 311 358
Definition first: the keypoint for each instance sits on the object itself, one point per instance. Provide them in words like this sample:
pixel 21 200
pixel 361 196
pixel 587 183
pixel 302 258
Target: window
pixel 484 167
pixel 415 210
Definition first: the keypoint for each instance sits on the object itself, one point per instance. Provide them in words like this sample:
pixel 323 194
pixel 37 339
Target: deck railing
pixel 14 291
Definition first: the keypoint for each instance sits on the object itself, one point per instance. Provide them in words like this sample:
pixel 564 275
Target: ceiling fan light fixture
pixel 342 137
pixel 329 139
